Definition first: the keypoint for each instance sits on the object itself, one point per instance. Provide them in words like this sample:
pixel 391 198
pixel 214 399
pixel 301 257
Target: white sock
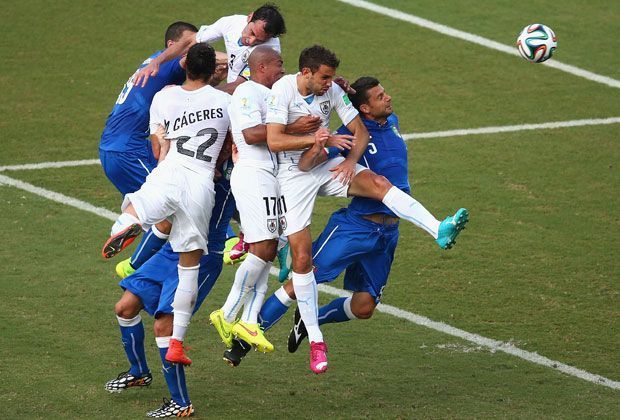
pixel 246 276
pixel 124 322
pixel 255 299
pixel 346 306
pixel 283 297
pixel 123 222
pixel 158 233
pixel 307 302
pixel 184 300
pixel 163 342
pixel 408 208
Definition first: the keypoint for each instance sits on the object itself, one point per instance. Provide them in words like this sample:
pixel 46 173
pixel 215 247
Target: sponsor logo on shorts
pixel 283 222
pixel 272 225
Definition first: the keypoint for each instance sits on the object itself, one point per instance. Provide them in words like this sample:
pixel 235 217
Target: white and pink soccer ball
pixel 536 43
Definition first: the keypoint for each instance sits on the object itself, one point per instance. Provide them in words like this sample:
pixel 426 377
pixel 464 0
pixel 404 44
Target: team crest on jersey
pixel 395 130
pixel 245 55
pixel 283 222
pixel 272 225
pixel 324 107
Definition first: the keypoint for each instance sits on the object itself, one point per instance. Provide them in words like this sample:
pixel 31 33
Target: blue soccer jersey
pixel 363 248
pixel 127 126
pixel 156 281
pixel 386 155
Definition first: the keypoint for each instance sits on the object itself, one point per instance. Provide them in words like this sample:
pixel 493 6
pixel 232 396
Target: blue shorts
pixel 156 281
pixel 363 248
pixel 127 170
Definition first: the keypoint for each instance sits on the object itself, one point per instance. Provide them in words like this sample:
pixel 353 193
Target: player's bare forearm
pixel 256 134
pixel 279 141
pixel 163 151
pixel 357 127
pixel 307 124
pixel 312 157
pixel 226 151
pixel 155 146
pixel 230 87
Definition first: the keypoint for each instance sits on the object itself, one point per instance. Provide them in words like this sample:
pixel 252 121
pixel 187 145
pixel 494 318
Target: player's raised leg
pixel 124 231
pixel 370 185
pixel 152 241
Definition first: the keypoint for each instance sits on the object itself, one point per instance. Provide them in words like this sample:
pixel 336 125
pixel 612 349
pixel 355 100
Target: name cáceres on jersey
pixel 193 117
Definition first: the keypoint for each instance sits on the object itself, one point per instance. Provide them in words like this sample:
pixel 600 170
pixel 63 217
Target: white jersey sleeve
pixel 278 103
pixel 345 109
pixel 248 110
pixel 156 118
pixel 245 108
pixel 215 31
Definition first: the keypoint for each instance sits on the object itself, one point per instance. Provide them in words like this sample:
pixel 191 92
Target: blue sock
pixel 132 333
pixel 174 374
pixel 150 244
pixel 230 233
pixel 334 311
pixel 271 312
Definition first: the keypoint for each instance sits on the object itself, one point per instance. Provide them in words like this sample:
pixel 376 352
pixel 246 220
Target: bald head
pixel 265 65
pixel 262 55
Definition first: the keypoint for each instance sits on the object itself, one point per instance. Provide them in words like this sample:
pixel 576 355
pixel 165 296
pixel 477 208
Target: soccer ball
pixel 536 43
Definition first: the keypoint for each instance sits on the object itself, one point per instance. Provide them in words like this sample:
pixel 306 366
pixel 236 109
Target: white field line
pixel 509 128
pixel 476 39
pixel 493 345
pixel 46 165
pixel 410 136
pixel 57 197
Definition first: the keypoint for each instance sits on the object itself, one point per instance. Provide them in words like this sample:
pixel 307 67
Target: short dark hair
pixel 174 31
pixel 362 86
pixel 274 22
pixel 315 56
pixel 200 62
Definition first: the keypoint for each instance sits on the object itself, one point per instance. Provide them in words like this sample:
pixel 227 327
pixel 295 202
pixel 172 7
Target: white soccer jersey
pixel 248 109
pixel 196 124
pixel 285 105
pixel 229 28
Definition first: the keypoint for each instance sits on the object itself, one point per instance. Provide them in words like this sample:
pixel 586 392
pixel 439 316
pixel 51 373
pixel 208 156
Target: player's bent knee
pixel 164 227
pixel 162 327
pixel 381 185
pixel 364 312
pixel 363 306
pixel 126 310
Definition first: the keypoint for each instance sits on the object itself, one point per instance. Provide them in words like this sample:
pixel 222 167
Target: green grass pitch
pixel 537 267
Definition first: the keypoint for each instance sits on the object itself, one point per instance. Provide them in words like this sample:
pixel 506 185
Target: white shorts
pixel 300 189
pixel 180 195
pixel 257 195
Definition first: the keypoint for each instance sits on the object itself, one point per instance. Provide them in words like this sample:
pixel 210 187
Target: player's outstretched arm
pixel 357 127
pixel 345 171
pixel 151 69
pixel 279 141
